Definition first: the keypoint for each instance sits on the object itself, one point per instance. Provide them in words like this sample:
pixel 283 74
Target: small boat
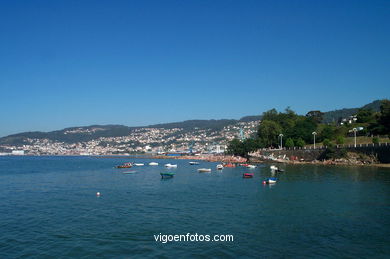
pixel 247 175
pixel 246 165
pixel 194 163
pixel 229 165
pixel 139 164
pixel 126 165
pixel 129 172
pixel 167 175
pixel 204 170
pixel 271 180
pixel 153 163
pixel 273 168
pixel 251 166
pixel 170 165
pixel 219 167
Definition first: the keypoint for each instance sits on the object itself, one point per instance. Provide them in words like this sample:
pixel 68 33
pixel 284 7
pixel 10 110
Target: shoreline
pixel 232 159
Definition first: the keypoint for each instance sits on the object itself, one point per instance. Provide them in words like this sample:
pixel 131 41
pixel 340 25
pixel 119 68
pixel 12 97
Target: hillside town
pixel 139 141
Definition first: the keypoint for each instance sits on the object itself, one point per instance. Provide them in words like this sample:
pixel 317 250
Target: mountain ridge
pixel 87 133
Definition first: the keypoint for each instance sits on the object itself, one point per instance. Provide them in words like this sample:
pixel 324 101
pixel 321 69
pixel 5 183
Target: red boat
pixel 126 165
pixel 247 175
pixel 229 165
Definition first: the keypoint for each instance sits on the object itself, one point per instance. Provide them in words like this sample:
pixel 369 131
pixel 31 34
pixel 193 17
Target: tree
pixel 327 132
pixel 300 142
pixel 316 116
pixel 384 118
pixel 268 132
pixel 242 148
pixel 327 143
pixel 340 140
pixel 289 142
pixel 303 129
pixel 375 140
pixel 235 147
pixel 271 115
pixel 365 116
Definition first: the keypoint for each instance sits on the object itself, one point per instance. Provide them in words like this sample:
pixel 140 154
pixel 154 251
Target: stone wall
pixel 381 151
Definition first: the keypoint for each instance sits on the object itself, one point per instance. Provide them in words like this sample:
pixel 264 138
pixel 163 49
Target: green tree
pixel 327 132
pixel 268 132
pixel 316 116
pixel 235 147
pixel 375 140
pixel 365 116
pixel 271 115
pixel 300 142
pixel 327 143
pixel 289 142
pixel 340 140
pixel 303 129
pixel 384 118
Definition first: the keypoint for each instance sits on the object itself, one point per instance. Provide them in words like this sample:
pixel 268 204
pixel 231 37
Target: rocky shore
pixel 209 158
pixel 351 159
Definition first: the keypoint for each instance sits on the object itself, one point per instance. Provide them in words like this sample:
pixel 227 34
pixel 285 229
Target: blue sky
pixel 73 63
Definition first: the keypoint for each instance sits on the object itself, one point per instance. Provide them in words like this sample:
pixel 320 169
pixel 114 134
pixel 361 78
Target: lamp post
pixel 281 138
pixel 354 131
pixel 314 136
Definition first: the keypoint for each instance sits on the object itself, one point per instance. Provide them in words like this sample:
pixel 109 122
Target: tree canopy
pixel 298 130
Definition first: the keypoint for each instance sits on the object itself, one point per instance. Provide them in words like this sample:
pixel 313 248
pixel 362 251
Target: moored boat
pixel 251 166
pixel 125 165
pixel 129 172
pixel 271 180
pixel 170 166
pixel 247 175
pixel 219 167
pixel 167 175
pixel 153 163
pixel 229 165
pixel 194 163
pixel 204 170
pixel 139 164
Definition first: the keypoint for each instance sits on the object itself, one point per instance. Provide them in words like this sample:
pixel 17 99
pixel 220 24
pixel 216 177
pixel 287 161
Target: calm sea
pixel 49 209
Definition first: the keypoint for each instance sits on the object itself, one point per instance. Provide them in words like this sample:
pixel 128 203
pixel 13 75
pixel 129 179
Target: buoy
pixel 98 194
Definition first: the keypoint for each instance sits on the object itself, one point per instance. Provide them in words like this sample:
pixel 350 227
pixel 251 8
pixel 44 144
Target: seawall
pixel 380 151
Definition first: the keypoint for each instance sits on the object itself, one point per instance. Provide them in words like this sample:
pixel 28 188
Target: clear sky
pixel 74 63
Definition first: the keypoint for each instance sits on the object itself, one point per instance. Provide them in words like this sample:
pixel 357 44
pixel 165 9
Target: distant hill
pixel 87 133
pixel 70 135
pixel 200 124
pixel 80 134
pixel 332 116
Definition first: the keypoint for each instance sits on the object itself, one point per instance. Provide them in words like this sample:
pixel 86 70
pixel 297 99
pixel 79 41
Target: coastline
pixel 252 160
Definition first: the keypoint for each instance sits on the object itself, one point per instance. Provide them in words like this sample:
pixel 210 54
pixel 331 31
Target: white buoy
pixel 98 194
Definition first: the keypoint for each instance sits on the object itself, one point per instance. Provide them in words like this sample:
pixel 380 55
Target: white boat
pixel 153 163
pixel 204 170
pixel 271 180
pixel 273 168
pixel 220 167
pixel 194 163
pixel 170 165
pixel 138 164
pixel 251 166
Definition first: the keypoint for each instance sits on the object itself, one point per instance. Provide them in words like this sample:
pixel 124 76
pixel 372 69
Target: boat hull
pixel 167 175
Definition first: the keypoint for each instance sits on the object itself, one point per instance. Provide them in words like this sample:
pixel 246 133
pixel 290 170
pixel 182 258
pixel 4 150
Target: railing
pixel 324 147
